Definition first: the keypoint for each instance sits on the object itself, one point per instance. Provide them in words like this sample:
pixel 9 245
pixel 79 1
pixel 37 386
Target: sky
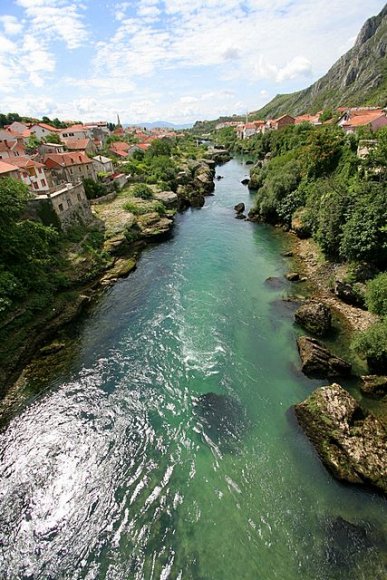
pixel 171 60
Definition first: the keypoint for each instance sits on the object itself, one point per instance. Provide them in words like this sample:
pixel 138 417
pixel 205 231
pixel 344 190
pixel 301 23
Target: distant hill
pixel 159 125
pixel 357 78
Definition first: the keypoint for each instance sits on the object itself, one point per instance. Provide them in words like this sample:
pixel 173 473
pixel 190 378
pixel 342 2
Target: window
pixel 44 183
pixel 61 207
pixel 79 196
pixel 35 185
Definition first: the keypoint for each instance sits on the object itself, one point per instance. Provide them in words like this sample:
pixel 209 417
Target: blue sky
pixel 172 60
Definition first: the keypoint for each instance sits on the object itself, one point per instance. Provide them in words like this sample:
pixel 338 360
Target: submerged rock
pixel 317 362
pixel 315 317
pixel 350 443
pixel 275 282
pixel 374 386
pixel 224 419
pixel 347 542
pixel 240 216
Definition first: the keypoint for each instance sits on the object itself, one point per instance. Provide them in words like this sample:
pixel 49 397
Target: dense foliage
pixel 311 178
pixel 28 249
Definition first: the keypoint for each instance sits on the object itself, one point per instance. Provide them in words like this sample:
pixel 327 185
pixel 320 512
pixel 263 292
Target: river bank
pixel 127 225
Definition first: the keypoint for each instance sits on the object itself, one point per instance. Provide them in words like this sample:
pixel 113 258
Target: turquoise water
pixel 120 470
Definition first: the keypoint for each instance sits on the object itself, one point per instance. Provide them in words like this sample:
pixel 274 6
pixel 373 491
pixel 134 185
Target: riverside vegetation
pixel 47 277
pixel 311 181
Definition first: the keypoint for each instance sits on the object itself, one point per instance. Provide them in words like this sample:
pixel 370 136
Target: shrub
pixel 142 191
pixel 376 295
pixel 372 344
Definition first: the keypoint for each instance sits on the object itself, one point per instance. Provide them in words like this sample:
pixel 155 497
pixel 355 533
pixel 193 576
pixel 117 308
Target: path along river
pixel 119 470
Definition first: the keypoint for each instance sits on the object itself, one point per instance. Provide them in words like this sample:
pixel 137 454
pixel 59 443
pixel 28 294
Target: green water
pixel 115 473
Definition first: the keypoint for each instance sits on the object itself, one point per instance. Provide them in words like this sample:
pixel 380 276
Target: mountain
pixel 159 125
pixel 357 78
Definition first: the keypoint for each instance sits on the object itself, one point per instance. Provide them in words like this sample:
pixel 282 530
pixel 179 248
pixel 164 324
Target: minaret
pixel 118 121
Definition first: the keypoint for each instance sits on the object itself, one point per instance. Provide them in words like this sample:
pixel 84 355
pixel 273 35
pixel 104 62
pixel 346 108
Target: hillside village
pixel 54 162
pixel 350 119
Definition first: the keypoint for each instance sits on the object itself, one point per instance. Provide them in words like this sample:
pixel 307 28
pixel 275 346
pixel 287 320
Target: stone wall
pixel 64 208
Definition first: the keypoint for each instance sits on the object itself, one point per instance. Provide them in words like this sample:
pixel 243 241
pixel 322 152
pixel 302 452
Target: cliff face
pixel 357 78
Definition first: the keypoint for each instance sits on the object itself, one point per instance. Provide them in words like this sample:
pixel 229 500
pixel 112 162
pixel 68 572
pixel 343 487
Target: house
pixel 371 119
pixel 10 149
pixel 34 174
pixel 86 145
pixel 312 119
pixel 51 148
pixel 64 207
pixel 9 135
pixel 143 146
pixel 8 170
pixel 75 132
pixel 18 127
pixel 244 131
pixel 281 122
pixel 119 149
pixel 103 164
pixel 42 130
pixel 69 167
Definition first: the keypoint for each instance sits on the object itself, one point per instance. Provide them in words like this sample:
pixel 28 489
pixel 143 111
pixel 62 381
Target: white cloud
pixel 54 19
pixel 11 25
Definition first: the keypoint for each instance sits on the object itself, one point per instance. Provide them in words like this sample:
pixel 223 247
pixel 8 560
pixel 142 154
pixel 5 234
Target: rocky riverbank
pixel 350 440
pixel 128 224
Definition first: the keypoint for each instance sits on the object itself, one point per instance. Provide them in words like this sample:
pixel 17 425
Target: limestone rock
pixel 239 207
pixel 292 276
pixel 350 294
pixel 317 362
pixel 374 386
pixel 168 198
pixel 351 444
pixel 315 317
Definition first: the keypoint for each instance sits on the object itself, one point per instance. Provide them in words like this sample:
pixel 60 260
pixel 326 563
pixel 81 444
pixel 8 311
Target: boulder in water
pixel 350 442
pixel 239 207
pixel 245 181
pixel 317 362
pixel 315 317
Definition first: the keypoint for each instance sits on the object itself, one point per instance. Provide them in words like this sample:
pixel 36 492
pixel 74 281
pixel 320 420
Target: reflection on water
pixel 167 451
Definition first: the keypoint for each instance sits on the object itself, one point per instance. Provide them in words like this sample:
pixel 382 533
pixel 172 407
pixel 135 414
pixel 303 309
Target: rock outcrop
pixel 350 294
pixel 317 362
pixel 168 198
pixel 315 317
pixel 195 182
pixel 374 386
pixel 350 443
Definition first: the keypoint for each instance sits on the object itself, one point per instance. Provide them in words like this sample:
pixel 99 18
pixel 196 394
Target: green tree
pixel 376 295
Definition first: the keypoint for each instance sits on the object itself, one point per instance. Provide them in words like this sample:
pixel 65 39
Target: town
pixel 55 162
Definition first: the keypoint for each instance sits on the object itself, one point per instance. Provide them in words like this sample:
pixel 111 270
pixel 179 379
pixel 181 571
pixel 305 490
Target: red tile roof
pixel 65 159
pixel 6 167
pixel 24 162
pixel 365 119
pixel 47 127
pixel 77 144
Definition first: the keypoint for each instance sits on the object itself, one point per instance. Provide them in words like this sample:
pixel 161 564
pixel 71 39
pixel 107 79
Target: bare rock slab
pixel 315 317
pixel 318 362
pixel 350 443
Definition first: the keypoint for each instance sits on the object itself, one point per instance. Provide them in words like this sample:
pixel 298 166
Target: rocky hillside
pixel 357 78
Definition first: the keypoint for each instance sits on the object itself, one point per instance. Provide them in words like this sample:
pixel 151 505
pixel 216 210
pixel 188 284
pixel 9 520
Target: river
pixel 121 470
